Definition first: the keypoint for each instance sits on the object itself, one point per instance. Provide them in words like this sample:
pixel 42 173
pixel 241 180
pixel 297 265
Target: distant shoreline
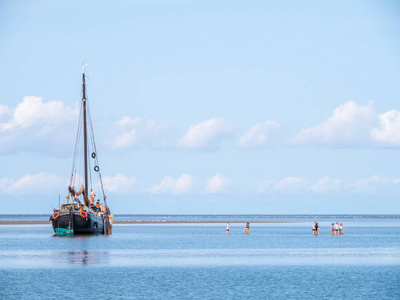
pixel 198 219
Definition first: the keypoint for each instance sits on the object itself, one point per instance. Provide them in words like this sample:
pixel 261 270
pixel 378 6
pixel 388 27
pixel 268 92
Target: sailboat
pixel 83 216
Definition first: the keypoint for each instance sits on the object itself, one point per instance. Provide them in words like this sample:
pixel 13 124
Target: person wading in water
pixel 246 228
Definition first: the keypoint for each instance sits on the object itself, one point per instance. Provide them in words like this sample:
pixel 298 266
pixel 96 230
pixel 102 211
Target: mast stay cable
pixel 76 149
pixel 96 159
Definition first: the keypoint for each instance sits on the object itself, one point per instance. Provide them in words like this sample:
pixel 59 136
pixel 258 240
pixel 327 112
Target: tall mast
pixel 85 133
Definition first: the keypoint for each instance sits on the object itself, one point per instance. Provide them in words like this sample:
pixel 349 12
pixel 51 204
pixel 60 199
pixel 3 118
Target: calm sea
pixel 199 261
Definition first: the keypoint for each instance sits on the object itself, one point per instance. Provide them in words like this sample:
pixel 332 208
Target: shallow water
pixel 199 261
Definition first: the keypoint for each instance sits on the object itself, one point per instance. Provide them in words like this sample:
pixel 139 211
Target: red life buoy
pixel 56 215
pixel 83 214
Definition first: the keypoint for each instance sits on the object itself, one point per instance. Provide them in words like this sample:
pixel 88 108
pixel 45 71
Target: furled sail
pixel 79 192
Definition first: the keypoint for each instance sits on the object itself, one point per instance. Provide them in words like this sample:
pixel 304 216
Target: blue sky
pixel 205 106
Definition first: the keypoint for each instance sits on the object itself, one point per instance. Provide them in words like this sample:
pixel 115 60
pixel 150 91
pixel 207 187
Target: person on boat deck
pixel 92 195
pixel 98 205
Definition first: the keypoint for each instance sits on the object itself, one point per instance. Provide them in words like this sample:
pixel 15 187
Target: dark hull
pixel 63 220
pixel 91 224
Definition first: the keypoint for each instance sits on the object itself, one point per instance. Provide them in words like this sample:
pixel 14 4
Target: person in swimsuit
pixel 340 228
pixel 313 228
pixel 316 228
pixel 333 229
pixel 246 228
pixel 336 228
pixel 227 228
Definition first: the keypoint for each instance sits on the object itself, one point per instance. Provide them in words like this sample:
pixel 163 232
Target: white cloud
pixel 329 185
pixel 177 186
pixel 290 184
pixel 349 125
pixel 119 183
pixel 216 184
pixel 131 133
pixel 369 184
pixel 32 111
pixel 388 133
pixel 326 184
pixel 257 135
pixel 206 135
pixel 39 184
pixel 39 126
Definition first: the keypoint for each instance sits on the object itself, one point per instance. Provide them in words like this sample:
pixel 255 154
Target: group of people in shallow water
pixel 336 229
pixel 246 228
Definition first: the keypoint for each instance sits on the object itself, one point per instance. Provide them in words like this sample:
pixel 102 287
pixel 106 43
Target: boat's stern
pixel 61 219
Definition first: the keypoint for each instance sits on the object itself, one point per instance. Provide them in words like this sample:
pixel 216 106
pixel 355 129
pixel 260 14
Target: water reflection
pixel 84 257
pixel 80 236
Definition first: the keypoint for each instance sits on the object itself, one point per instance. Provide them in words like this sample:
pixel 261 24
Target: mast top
pixel 83 67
